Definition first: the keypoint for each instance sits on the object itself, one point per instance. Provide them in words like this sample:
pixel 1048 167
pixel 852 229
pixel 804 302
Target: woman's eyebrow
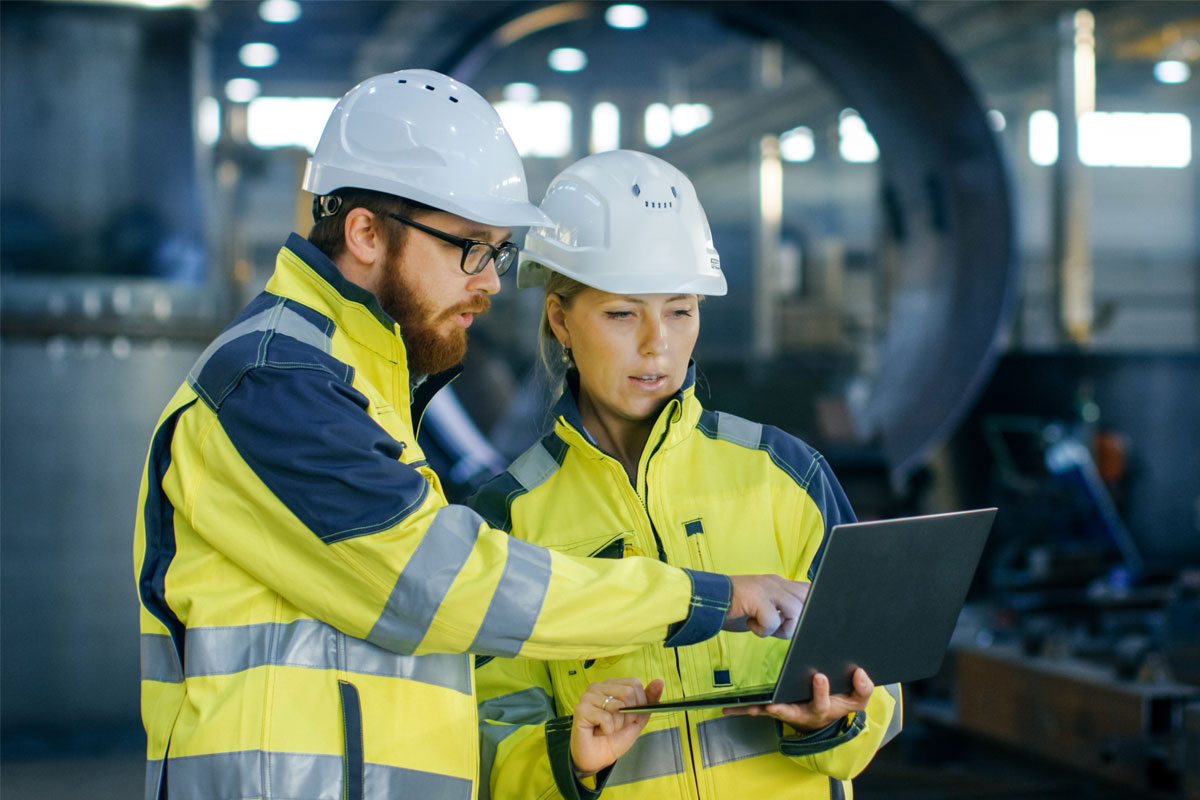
pixel 641 302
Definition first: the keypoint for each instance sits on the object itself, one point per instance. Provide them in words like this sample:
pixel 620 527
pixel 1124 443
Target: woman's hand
pixel 600 734
pixel 821 710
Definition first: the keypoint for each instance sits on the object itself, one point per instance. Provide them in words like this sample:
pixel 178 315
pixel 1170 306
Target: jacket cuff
pixel 832 735
pixel 558 746
pixel 711 596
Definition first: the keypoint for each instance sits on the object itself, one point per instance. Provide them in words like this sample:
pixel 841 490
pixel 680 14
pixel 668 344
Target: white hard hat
pixel 426 137
pixel 627 223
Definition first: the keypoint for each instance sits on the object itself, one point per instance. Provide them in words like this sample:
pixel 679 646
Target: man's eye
pixel 681 312
pixel 618 314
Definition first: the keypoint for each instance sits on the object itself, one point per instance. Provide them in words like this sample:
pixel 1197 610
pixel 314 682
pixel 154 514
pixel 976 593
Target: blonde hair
pixel 554 357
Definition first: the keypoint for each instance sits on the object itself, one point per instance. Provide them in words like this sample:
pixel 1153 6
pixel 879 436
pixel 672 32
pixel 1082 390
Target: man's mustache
pixel 478 306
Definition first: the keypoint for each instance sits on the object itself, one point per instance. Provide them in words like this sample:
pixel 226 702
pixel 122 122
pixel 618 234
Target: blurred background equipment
pixel 962 242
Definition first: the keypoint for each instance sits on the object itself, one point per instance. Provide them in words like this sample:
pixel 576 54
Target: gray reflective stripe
pixel 298 776
pixel 533 467
pixel 425 579
pixel 501 717
pixel 531 706
pixel 653 755
pixel 516 602
pixel 160 662
pixel 739 431
pixel 305 643
pixel 726 739
pixel 897 721
pixel 279 317
pixel 153 778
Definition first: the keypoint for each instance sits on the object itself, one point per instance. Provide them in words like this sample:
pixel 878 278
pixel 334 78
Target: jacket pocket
pixel 352 757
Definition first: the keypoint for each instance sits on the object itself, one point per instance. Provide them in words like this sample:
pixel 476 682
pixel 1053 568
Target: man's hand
pixel 823 709
pixel 768 605
pixel 600 734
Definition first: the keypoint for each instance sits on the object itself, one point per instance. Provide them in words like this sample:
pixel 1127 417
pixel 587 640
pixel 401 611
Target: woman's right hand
pixel 600 734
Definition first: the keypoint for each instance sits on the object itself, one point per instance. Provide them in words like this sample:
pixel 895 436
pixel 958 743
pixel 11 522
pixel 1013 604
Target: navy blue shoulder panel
pixel 291 411
pixel 493 500
pixel 158 516
pixel 272 331
pixel 804 465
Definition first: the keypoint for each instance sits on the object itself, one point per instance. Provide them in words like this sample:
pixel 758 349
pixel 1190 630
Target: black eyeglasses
pixel 475 254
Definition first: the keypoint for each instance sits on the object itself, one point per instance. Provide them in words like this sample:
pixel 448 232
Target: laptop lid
pixel 886 597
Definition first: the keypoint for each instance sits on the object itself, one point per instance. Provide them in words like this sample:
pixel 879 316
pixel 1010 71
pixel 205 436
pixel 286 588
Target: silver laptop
pixel 886 597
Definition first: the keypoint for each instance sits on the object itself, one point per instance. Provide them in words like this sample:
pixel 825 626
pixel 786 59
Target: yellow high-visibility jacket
pixel 308 595
pixel 713 492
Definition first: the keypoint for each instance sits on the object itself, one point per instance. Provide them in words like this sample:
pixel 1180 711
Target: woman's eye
pixel 681 312
pixel 618 314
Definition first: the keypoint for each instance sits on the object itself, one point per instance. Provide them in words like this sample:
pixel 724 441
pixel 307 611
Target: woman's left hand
pixel 818 712
pixel 600 734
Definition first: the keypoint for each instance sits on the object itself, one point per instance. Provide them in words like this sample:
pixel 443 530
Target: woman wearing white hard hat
pixel 635 466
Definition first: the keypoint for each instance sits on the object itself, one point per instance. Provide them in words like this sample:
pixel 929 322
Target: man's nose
pixel 486 280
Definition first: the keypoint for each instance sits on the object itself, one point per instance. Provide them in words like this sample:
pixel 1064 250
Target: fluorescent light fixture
pixel 287 121
pixel 1133 139
pixel 656 125
pixel 606 128
pixel 521 92
pixel 625 15
pixel 567 59
pixel 279 11
pixel 242 90
pixel 208 121
pixel 541 129
pixel 797 144
pixel 996 121
pixel 1117 139
pixel 1172 72
pixel 257 55
pixel 687 117
pixel 855 142
pixel 1043 138
pixel 199 5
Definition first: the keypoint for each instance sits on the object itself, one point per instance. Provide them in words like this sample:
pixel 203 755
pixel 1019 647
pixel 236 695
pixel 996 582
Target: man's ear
pixel 556 315
pixel 364 236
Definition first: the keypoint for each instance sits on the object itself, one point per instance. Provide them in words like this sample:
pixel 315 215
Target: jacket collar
pixel 305 274
pixel 681 407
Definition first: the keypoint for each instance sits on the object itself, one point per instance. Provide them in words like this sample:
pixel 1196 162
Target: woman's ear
pixel 556 315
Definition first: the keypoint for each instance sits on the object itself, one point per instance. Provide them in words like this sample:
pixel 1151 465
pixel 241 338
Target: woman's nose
pixel 654 340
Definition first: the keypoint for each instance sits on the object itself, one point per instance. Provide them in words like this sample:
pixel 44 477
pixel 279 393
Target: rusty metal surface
pixel 1074 713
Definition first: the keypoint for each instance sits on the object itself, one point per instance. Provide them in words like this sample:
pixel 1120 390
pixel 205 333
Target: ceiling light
pixel 625 15
pixel 279 10
pixel 521 92
pixel 258 54
pixel 797 144
pixel 567 59
pixel 242 90
pixel 1172 72
pixel 656 128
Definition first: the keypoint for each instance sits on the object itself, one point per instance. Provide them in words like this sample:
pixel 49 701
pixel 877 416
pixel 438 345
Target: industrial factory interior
pixel 962 246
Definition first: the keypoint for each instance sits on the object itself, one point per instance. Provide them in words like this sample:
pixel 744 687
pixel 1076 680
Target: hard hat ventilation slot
pixel 636 190
pixel 673 192
pixel 453 99
pixel 430 88
pixel 402 80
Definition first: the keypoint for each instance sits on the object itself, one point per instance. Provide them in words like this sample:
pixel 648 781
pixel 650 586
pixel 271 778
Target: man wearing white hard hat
pixel 308 596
